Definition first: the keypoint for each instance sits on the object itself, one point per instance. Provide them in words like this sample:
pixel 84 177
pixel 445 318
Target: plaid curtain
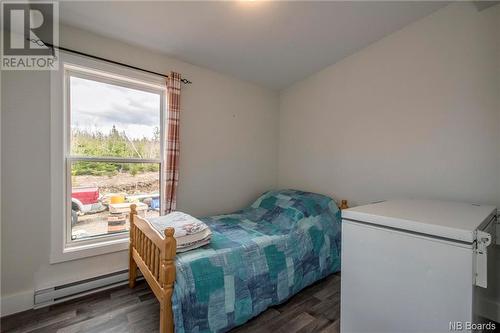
pixel 172 147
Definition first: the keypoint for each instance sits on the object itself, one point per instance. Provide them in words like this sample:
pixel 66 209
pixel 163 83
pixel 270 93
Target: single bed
pixel 258 257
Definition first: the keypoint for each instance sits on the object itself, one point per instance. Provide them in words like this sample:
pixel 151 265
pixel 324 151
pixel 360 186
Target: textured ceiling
pixel 273 44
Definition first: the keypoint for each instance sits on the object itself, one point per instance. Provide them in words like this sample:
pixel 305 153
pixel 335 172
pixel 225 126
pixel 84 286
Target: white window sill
pixel 76 251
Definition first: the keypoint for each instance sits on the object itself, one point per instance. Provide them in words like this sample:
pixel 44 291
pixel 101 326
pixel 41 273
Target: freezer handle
pixel 483 240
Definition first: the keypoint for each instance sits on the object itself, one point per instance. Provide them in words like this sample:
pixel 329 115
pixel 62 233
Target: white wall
pixel 416 114
pixel 228 157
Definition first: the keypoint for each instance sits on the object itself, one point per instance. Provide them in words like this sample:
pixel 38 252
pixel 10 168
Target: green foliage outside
pixel 114 144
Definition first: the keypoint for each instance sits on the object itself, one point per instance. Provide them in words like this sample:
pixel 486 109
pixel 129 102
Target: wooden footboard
pixel 154 255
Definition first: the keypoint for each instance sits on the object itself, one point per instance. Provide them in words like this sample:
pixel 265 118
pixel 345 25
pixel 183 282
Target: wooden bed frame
pixel 154 255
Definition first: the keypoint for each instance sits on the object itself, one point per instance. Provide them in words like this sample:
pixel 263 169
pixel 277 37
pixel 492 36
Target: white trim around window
pixel 62 247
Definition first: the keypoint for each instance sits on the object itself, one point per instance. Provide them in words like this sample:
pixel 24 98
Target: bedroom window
pixel 112 153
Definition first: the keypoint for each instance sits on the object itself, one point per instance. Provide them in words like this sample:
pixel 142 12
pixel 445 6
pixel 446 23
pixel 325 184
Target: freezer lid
pixel 451 220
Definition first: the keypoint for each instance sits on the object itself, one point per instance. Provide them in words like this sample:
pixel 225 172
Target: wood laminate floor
pixel 314 309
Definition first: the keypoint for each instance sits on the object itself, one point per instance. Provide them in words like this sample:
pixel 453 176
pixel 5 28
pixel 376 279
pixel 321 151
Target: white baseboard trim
pixel 18 302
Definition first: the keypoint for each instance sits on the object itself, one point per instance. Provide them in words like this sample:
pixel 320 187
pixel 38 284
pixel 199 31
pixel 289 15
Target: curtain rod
pixel 185 81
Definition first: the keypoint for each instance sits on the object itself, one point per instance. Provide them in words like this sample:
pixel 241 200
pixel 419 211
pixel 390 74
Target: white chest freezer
pixel 413 265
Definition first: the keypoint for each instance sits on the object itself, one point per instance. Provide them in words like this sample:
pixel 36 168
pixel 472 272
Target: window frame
pixel 63 247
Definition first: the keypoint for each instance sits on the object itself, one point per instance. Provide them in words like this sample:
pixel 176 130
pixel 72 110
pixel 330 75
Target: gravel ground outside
pixel 89 225
pixel 146 182
pixel 97 224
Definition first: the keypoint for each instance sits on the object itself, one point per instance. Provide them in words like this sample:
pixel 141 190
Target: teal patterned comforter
pixel 259 257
